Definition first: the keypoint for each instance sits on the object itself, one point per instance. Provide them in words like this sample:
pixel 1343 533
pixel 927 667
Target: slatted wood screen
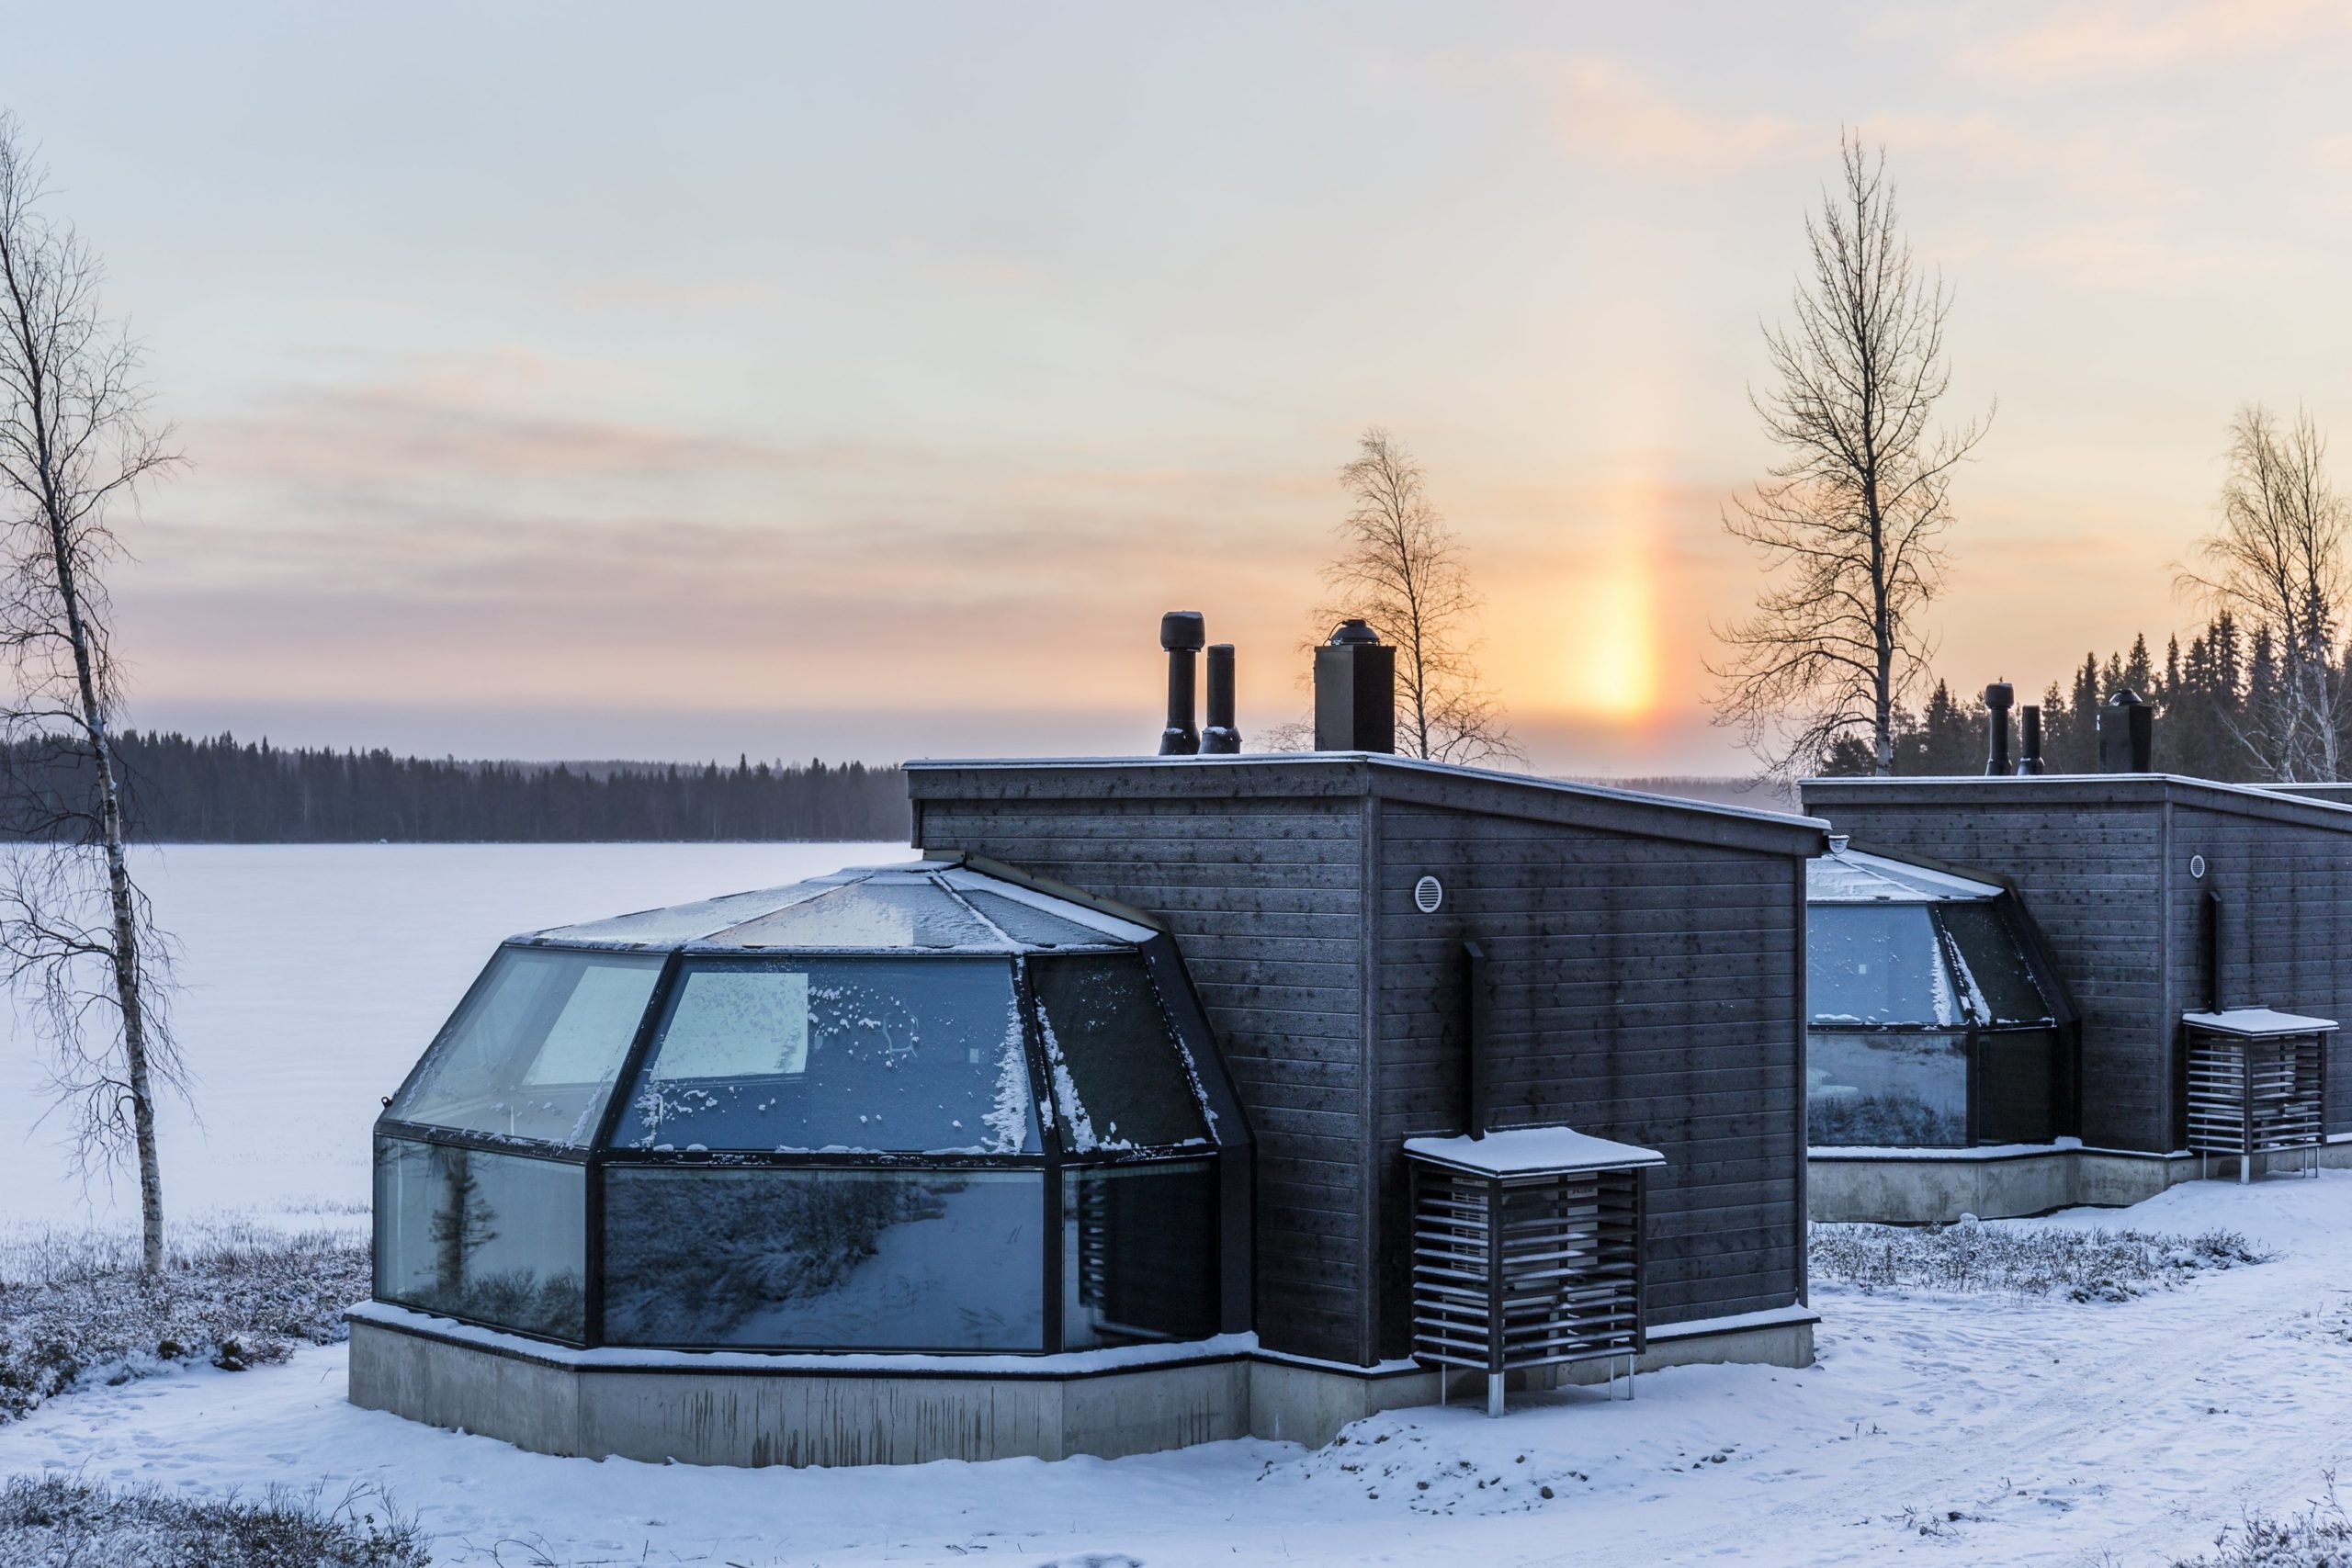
pixel 2254 1096
pixel 1514 1271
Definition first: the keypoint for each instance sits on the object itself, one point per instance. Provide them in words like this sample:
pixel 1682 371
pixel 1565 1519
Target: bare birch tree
pixel 75 933
pixel 2275 564
pixel 1848 523
pixel 1401 568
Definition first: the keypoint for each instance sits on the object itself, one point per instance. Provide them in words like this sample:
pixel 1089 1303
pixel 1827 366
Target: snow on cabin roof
pixel 927 906
pixel 1531 1151
pixel 2255 1022
pixel 1850 877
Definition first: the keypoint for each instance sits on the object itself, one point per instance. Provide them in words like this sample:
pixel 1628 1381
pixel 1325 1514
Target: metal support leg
pixel 1494 1393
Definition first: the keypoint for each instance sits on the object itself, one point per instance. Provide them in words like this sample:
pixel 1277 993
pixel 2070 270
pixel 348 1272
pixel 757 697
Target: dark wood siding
pixel 2103 865
pixel 1264 903
pixel 1643 990
pixel 1648 954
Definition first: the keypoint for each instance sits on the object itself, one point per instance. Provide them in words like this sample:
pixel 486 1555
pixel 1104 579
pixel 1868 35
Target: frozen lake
pixel 313 975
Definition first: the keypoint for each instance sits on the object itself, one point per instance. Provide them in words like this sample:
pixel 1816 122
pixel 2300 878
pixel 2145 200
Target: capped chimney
pixel 2030 740
pixel 1218 737
pixel 2127 735
pixel 1181 631
pixel 1997 697
pixel 1355 691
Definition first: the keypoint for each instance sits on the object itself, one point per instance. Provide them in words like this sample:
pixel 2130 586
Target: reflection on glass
pixel 1994 964
pixel 534 1049
pixel 1120 1079
pixel 885 1053
pixel 2018 1103
pixel 825 1259
pixel 491 1238
pixel 1140 1258
pixel 1876 964
pixel 1886 1091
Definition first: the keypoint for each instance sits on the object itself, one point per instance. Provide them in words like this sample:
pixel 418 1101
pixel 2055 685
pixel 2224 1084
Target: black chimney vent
pixel 1997 697
pixel 2127 735
pixel 1181 631
pixel 2030 740
pixel 1218 737
pixel 1355 691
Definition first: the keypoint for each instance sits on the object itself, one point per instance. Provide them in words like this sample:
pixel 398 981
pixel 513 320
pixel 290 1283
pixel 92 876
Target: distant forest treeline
pixel 220 790
pixel 2220 704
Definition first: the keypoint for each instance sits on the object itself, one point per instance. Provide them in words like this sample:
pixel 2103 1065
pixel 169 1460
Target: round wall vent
pixel 1428 894
pixel 2197 867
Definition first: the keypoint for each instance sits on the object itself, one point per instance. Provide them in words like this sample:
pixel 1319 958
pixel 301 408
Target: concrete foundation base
pixel 1937 1187
pixel 738 1409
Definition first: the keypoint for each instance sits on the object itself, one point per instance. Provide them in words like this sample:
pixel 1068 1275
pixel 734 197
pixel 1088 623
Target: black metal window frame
pixel 1230 1158
pixel 2063 1023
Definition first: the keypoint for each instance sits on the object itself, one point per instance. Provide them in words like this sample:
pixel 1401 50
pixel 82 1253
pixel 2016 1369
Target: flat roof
pixel 2254 1023
pixel 1532 1151
pixel 2282 804
pixel 1359 773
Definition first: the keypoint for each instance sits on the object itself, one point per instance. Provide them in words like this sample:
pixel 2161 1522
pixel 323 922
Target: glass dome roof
pixel 783 1110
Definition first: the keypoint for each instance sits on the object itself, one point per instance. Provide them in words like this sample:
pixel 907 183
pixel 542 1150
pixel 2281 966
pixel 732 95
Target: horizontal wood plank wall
pixel 2088 872
pixel 2288 891
pixel 1644 990
pixel 1262 897
pixel 1650 946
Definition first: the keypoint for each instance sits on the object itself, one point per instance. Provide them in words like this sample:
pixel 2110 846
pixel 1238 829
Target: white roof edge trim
pixel 1417 764
pixel 2223 786
pixel 1531 1151
pixel 2253 1021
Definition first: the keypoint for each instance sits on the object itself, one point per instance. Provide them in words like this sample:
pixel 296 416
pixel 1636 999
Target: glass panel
pixel 492 1238
pixel 1907 1092
pixel 1993 963
pixel 1139 1256
pixel 825 1259
pixel 533 1049
pixel 1876 964
pixel 915 912
pixel 1026 922
pixel 2018 1101
pixel 687 922
pixel 1120 1079
pixel 908 1054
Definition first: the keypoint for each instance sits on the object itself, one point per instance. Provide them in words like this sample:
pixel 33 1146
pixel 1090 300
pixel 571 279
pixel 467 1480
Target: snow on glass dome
pixel 1934 1024
pixel 910 1107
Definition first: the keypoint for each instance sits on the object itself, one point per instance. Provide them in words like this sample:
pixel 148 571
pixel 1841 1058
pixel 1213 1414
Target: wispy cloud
pixel 1604 110
pixel 2108 40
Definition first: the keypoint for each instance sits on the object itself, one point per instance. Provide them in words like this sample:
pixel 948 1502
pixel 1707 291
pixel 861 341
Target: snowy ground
pixel 1958 1430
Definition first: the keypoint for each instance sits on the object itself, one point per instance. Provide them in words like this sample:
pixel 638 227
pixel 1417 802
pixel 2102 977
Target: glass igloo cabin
pixel 920 1108
pixel 1937 1020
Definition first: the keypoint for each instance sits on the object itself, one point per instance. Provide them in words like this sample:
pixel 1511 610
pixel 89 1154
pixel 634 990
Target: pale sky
pixel 864 380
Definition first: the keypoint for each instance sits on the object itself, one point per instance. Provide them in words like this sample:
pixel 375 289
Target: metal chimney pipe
pixel 1219 738
pixel 2127 735
pixel 2030 740
pixel 1355 691
pixel 1181 631
pixel 1997 697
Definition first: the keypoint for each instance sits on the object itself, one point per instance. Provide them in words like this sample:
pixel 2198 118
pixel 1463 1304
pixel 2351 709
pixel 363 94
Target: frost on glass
pixel 1028 924
pixel 878 911
pixel 1139 1255
pixel 1992 964
pixel 684 922
pixel 825 1259
pixel 912 1055
pixel 1876 964
pixel 1120 1079
pixel 534 1049
pixel 491 1238
pixel 1886 1091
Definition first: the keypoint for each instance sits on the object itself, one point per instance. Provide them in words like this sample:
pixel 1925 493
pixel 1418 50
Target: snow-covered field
pixel 1959 1430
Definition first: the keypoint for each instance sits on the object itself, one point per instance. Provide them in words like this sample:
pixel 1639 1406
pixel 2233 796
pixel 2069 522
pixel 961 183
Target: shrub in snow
pixel 2030 1260
pixel 2320 1539
pixel 75 1306
pixel 53 1522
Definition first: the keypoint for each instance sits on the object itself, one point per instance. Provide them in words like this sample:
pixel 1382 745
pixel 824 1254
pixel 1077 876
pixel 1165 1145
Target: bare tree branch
pixel 1401 568
pixel 1848 525
pixel 77 938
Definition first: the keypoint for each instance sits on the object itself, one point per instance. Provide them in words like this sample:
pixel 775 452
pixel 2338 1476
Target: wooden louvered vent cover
pixel 1515 1269
pixel 2258 1084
